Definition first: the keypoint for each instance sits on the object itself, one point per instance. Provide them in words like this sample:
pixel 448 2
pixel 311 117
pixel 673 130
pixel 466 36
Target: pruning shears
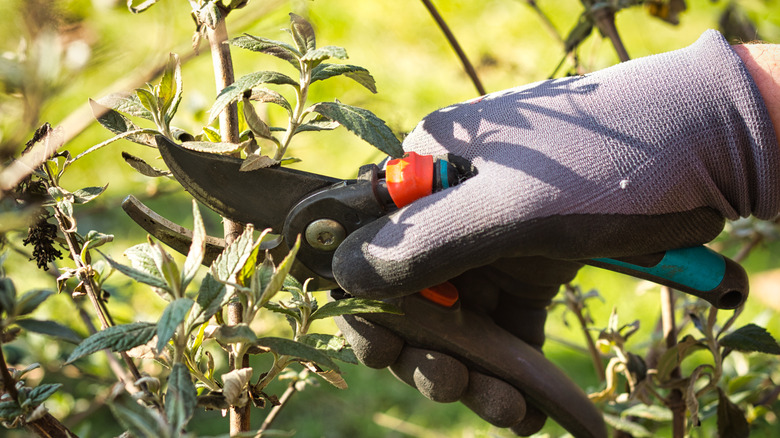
pixel 325 210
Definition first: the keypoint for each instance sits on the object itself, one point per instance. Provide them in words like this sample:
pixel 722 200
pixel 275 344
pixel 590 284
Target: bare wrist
pixel 763 63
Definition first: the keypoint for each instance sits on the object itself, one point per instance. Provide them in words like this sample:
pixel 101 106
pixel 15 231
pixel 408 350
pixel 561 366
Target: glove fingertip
pixel 532 423
pixel 374 346
pixel 435 375
pixel 494 400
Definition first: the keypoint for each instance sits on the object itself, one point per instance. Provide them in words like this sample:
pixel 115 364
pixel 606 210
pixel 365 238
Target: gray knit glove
pixel 642 157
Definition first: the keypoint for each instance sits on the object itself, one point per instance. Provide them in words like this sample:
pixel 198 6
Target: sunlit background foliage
pixel 57 54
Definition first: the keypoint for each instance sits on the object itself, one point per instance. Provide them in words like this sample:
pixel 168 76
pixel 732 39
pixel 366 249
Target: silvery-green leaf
pixel 364 124
pixel 115 338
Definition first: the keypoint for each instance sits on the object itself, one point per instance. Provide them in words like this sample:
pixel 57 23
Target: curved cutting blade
pixel 261 197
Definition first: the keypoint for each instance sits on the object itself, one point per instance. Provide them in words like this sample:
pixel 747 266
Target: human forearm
pixel 763 63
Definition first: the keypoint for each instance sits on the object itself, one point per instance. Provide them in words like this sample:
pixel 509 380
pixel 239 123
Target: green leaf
pixel 633 429
pixel 651 412
pixel 235 91
pixel 172 316
pixel 255 123
pixel 7 296
pixel 233 334
pixel 280 274
pixel 277 308
pixel 115 338
pixel 82 196
pixel 31 300
pixel 673 357
pixel 141 258
pixel 297 350
pixel 731 419
pixel 322 53
pixel 351 306
pixel 254 162
pixel 50 328
pixel 149 101
pixel 751 338
pixel 233 258
pixel 354 72
pixel 143 167
pixel 167 267
pixel 141 7
pixel 138 419
pixel 579 32
pixel 171 87
pixel 212 295
pixel 9 410
pixel 264 45
pixel 197 248
pixel 213 148
pixel 319 123
pixel 334 346
pixel 140 276
pixel 40 393
pixel 364 124
pixel 181 398
pixel 119 124
pixel 266 95
pixel 128 104
pixel 302 33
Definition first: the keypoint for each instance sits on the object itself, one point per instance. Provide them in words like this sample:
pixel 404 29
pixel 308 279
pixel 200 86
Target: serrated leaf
pixel 233 334
pixel 302 33
pixel 254 162
pixel 322 53
pixel 31 300
pixel 236 90
pixel 277 308
pixel 334 346
pixel 40 393
pixel 115 338
pixel 673 357
pixel 651 412
pixel 167 267
pixel 235 383
pixel 364 124
pixel 212 295
pixel 141 258
pixel 143 167
pixel 351 306
pixel 731 419
pixel 50 328
pixel 213 148
pixel 82 196
pixel 128 104
pixel 320 123
pixel 197 248
pixel 172 316
pixel 297 350
pixel 264 45
pixel 751 338
pixel 119 124
pixel 354 72
pixel 266 95
pixel 181 397
pixel 137 275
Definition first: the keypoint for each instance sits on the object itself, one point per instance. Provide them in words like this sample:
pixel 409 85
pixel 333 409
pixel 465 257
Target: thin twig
pixel 604 18
pixel 274 412
pixel 576 307
pixel 675 400
pixel 470 71
pixel 228 126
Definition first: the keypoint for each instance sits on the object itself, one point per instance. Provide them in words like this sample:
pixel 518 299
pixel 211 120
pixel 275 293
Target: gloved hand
pixel 643 157
pixel 514 293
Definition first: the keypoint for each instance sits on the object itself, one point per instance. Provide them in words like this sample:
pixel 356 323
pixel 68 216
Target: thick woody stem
pixel 228 127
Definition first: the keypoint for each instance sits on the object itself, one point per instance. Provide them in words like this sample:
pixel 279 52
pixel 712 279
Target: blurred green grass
pixel 416 73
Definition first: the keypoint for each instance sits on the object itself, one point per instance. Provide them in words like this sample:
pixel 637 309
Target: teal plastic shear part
pixel 699 267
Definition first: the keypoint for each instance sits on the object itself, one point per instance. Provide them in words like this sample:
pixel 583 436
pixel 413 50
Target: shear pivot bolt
pixel 325 234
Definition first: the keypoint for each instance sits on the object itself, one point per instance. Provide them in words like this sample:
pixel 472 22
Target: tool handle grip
pixel 698 271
